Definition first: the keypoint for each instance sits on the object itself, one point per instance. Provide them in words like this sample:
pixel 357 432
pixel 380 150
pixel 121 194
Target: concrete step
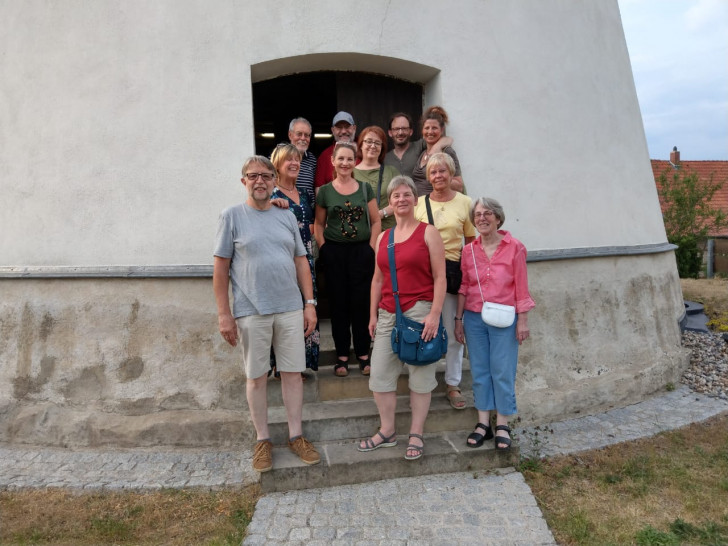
pixel 358 418
pixel 342 464
pixel 340 411
pixel 323 385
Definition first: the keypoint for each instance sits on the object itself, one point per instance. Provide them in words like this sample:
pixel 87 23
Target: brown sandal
pixel 455 397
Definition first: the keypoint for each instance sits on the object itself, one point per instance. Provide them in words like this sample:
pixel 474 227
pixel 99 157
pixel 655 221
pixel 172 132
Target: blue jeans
pixel 493 359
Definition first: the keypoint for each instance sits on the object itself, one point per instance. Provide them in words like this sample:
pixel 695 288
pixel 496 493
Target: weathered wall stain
pixel 134 314
pixel 181 400
pixel 46 326
pixel 130 369
pixel 88 385
pixel 29 384
pixel 26 337
pixel 231 395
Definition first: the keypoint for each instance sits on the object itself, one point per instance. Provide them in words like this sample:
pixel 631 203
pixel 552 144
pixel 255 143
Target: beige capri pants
pixel 387 367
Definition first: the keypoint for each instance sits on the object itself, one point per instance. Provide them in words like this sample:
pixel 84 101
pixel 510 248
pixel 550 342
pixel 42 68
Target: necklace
pixel 281 186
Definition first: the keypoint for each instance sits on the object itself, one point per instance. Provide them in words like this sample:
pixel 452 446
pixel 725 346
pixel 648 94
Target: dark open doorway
pixel 317 96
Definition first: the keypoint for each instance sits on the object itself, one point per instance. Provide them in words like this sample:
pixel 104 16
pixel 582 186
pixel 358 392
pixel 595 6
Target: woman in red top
pixel 420 261
pixel 494 270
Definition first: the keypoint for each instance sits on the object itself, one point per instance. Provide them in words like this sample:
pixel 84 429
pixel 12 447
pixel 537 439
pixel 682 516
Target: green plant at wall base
pixel 689 216
pixel 719 323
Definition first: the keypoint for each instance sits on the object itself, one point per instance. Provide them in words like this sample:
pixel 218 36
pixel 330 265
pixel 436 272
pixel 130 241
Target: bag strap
pixel 393 275
pixel 429 210
pixel 366 203
pixel 472 249
pixel 379 184
pixel 393 272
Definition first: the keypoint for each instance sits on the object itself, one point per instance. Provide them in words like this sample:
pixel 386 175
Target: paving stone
pixel 463 508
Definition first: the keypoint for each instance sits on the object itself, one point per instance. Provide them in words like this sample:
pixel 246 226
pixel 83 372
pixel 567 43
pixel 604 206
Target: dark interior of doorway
pixel 318 96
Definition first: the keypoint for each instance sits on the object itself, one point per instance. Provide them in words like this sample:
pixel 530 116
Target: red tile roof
pixel 704 170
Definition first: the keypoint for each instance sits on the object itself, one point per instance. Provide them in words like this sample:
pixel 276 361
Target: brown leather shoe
pixel 263 456
pixel 304 449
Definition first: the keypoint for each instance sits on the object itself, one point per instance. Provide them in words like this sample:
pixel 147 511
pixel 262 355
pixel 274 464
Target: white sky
pixel 679 54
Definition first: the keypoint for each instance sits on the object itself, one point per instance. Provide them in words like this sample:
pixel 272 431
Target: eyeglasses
pixel 299 134
pixel 253 177
pixel 484 214
pixel 400 129
pixel 373 143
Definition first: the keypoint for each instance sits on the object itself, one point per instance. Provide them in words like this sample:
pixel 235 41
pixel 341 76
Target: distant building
pixel 718 170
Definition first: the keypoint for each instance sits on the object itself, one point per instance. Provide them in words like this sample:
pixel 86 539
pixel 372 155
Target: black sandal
pixel 363 364
pixel 341 364
pixel 503 439
pixel 480 438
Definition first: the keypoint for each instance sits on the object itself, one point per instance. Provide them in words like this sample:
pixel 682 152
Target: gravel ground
pixel 708 371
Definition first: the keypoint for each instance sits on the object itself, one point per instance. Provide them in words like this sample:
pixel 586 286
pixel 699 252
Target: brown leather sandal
pixel 455 397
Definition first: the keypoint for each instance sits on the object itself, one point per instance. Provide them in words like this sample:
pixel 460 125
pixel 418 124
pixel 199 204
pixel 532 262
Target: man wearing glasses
pixel 299 133
pixel 405 153
pixel 344 129
pixel 258 249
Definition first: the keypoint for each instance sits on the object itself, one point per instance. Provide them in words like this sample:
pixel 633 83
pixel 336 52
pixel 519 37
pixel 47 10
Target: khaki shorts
pixel 283 332
pixel 387 367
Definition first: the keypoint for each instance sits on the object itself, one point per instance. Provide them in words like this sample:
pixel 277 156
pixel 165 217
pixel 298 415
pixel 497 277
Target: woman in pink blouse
pixel 500 262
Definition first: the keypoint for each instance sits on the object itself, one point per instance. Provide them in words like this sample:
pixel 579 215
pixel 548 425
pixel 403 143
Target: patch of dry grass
pixel 712 293
pixel 633 493
pixel 174 517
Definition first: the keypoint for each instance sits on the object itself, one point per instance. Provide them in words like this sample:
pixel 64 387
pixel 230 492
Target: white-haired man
pixel 299 134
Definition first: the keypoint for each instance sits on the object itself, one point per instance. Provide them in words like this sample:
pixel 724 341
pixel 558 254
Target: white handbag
pixel 498 315
pixel 493 314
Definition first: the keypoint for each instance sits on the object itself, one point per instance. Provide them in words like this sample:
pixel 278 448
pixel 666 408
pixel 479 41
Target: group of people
pixel 451 256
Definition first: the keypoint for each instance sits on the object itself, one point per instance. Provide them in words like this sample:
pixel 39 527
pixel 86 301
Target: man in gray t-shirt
pixel 258 250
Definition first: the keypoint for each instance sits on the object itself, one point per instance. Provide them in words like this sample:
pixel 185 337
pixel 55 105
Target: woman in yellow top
pixel 450 213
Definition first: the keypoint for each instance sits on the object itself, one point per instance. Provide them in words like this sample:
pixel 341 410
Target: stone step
pixel 323 385
pixel 342 464
pixel 358 418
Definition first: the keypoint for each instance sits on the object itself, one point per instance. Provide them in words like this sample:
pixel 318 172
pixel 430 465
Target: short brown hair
pixel 380 134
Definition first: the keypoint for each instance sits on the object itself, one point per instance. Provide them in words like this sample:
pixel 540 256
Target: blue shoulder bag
pixel 407 342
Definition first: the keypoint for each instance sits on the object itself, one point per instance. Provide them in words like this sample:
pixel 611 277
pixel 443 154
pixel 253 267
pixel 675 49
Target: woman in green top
pixel 346 229
pixel 372 147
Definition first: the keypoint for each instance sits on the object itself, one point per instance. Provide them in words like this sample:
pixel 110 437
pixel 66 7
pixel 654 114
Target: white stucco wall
pixel 123 127
pixel 123 124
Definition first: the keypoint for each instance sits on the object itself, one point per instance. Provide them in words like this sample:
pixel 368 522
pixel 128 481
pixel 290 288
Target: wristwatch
pixel 312 302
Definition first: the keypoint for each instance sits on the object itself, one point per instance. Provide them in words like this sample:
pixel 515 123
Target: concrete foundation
pixel 140 362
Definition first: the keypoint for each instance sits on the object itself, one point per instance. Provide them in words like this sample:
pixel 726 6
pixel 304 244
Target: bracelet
pixel 384 213
pixel 459 318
